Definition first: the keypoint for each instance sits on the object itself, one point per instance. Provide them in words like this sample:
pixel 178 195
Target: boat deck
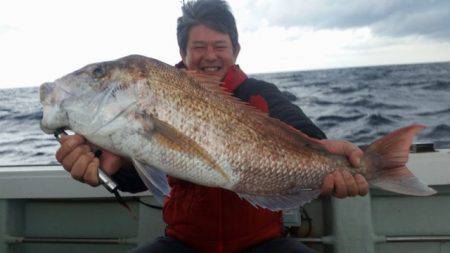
pixel 43 210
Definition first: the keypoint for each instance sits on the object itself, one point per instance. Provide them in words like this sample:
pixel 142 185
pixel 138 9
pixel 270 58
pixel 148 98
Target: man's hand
pixel 341 183
pixel 76 156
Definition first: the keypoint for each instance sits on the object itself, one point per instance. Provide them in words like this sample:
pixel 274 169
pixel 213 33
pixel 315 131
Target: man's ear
pixel 237 50
pixel 183 57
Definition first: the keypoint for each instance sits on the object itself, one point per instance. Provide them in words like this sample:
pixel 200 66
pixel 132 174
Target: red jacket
pixel 217 220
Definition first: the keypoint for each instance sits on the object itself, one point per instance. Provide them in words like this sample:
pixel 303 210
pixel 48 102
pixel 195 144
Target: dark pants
pixel 166 244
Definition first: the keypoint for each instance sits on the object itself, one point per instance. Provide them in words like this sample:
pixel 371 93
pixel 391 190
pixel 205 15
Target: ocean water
pixel 356 104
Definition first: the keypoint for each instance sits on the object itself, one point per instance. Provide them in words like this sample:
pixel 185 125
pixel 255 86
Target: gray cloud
pixel 395 18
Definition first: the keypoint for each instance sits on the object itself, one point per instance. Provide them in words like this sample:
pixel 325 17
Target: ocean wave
pixel 344 90
pixel 46 145
pixel 371 76
pixel 30 141
pixel 359 102
pixel 438 132
pixel 439 85
pixel 326 126
pixel 5 110
pixel 407 83
pixel 359 140
pixel 378 120
pixel 32 116
pixel 363 131
pixel 435 113
pixel 370 104
pixel 295 84
pixel 317 84
pixel 336 118
pixel 39 154
pixel 320 102
pixel 15 152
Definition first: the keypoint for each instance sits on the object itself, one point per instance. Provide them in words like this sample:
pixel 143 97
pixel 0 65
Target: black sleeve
pixel 128 180
pixel 279 106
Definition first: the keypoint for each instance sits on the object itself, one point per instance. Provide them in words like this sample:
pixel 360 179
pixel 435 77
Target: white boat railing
pixel 46 181
pixel 52 181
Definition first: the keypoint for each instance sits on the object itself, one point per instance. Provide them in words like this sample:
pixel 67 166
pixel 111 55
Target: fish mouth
pixel 51 130
pixel 46 129
pixel 53 119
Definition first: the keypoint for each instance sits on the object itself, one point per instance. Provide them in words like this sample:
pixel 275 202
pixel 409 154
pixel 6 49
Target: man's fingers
pixel 363 186
pixel 352 187
pixel 110 162
pixel 91 175
pixel 63 138
pixel 344 184
pixel 340 187
pixel 328 185
pixel 350 150
pixel 355 156
pixel 68 144
pixel 76 156
pixel 353 153
pixel 70 159
pixel 80 166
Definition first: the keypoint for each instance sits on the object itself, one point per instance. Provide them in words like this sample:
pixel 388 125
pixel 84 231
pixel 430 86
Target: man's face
pixel 209 52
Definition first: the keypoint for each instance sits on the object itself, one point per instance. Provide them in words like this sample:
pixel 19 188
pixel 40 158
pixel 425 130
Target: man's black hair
pixel 215 14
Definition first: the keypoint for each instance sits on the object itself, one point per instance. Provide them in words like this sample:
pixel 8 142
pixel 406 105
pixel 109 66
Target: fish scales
pixel 255 177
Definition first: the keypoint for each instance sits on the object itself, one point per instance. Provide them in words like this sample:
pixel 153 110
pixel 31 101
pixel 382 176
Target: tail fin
pixel 386 163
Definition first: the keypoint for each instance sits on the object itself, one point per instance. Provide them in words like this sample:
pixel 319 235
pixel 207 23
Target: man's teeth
pixel 211 69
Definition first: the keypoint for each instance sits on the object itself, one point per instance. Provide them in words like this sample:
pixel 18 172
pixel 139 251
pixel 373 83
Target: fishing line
pixel 149 205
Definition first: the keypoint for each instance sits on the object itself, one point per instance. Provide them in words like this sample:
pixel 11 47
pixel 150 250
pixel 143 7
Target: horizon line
pixel 298 70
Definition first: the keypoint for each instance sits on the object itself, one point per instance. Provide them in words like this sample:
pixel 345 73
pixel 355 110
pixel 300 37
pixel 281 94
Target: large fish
pixel 169 122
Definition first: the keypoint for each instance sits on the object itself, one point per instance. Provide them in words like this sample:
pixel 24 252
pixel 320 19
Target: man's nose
pixel 210 53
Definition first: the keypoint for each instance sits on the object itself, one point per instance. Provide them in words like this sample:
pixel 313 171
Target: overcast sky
pixel 43 40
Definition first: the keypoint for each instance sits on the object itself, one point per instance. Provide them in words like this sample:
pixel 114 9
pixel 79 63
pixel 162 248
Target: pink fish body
pixel 171 123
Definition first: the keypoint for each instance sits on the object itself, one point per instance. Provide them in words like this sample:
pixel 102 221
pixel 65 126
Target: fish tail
pixel 386 159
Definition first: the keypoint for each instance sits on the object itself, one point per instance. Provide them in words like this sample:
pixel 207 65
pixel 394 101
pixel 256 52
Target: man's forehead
pixel 204 34
pixel 202 42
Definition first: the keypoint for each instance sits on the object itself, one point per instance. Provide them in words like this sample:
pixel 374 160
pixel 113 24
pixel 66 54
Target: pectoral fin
pixel 154 179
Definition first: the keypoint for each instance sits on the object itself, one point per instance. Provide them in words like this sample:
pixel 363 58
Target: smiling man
pixel 209 52
pixel 205 219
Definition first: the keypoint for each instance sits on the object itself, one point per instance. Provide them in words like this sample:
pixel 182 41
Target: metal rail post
pixel 11 221
pixel 352 225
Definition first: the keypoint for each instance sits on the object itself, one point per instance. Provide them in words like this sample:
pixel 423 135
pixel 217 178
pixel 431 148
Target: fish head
pixel 91 96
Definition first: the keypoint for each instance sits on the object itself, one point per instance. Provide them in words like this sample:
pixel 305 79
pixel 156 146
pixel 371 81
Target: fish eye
pixel 99 72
